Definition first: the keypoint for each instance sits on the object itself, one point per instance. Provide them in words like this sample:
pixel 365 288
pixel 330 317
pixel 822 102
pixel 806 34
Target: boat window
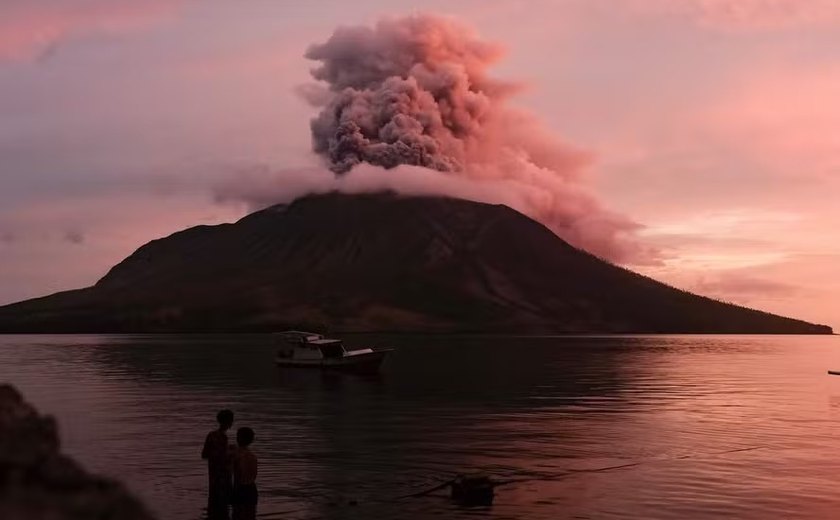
pixel 332 350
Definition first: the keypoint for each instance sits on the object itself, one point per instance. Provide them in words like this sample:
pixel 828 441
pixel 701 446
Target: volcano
pixel 380 262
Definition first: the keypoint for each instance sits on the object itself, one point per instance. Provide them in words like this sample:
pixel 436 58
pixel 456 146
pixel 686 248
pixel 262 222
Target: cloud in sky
pixel 67 242
pixel 754 256
pixel 742 286
pixel 261 187
pixel 766 14
pixel 784 118
pixel 720 241
pixel 74 236
pixel 749 15
pixel 31 29
pixel 734 223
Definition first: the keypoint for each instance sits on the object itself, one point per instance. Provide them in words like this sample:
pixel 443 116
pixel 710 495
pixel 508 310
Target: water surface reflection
pixel 541 412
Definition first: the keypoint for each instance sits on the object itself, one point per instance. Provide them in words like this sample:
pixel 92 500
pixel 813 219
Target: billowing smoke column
pixel 414 91
pixel 410 91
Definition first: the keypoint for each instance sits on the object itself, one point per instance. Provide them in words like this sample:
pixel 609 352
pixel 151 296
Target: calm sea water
pixel 703 427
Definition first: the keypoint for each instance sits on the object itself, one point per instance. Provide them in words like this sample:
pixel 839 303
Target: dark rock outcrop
pixel 37 482
pixel 380 262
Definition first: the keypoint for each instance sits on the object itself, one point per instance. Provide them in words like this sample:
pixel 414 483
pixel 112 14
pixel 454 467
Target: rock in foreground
pixel 37 482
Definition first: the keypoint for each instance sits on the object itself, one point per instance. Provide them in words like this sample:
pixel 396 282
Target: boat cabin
pixel 330 348
pixel 310 346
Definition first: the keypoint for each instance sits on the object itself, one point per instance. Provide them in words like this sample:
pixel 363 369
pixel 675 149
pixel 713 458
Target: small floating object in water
pixel 473 490
pixel 834 372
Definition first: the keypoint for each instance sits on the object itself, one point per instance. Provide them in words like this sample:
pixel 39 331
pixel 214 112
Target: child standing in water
pixel 216 453
pixel 244 497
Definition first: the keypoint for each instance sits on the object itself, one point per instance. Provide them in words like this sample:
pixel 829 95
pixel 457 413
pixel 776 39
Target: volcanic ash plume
pixel 414 91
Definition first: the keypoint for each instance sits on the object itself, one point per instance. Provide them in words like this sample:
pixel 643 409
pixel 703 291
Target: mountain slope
pixel 380 262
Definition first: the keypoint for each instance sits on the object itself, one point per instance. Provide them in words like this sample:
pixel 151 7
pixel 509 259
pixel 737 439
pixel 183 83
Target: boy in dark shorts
pixel 244 497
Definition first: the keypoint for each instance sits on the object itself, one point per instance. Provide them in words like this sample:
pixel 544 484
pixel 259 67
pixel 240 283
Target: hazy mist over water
pixel 545 412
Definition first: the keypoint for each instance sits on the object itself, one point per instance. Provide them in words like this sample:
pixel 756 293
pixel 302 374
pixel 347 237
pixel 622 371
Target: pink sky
pixel 711 123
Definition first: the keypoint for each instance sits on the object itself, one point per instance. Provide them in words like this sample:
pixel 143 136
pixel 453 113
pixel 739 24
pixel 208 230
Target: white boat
pixel 310 350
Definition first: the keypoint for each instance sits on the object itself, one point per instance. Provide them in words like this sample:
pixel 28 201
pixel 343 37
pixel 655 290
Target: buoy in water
pixel 473 490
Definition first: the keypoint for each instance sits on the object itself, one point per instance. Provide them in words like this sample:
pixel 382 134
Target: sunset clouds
pixel 61 243
pixel 748 14
pixel 30 29
pixel 785 117
pixel 711 125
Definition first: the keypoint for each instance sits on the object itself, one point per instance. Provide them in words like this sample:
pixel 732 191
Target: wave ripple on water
pixel 579 427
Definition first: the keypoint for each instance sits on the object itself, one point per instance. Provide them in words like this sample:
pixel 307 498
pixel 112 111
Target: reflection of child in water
pixel 244 497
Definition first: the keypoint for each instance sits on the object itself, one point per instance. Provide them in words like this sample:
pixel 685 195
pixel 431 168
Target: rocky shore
pixel 38 482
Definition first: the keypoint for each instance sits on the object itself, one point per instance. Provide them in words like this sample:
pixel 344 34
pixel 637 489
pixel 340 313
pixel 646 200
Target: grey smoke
pixel 409 91
pixel 415 92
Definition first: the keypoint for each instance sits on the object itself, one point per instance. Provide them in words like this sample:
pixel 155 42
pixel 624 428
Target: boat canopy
pixel 331 349
pixel 324 341
pixel 300 336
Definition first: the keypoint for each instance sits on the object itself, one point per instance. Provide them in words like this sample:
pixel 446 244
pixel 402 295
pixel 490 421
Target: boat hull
pixel 361 363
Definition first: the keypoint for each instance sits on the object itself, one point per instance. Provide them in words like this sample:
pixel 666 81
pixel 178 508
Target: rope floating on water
pixel 536 478
pixel 549 478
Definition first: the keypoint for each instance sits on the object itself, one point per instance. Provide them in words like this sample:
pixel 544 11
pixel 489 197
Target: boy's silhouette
pixel 244 477
pixel 218 458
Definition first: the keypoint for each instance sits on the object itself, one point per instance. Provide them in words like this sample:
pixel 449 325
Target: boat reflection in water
pixel 310 350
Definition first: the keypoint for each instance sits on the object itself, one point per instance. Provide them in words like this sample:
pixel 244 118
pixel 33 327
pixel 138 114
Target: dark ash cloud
pixel 415 91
